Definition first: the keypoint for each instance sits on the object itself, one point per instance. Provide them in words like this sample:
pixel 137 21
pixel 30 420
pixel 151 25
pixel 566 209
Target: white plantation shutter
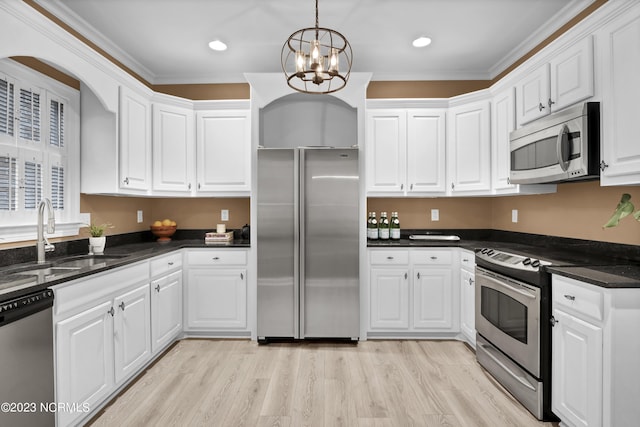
pixel 6 107
pixel 56 123
pixel 8 183
pixel 29 115
pixel 57 187
pixel 33 184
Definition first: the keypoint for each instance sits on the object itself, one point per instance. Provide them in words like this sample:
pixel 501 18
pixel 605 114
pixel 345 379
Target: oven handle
pixel 563 148
pixel 504 283
pixel 489 351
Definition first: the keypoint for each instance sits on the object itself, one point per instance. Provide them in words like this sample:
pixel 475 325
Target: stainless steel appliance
pixel 26 360
pixel 308 243
pixel 563 146
pixel 513 341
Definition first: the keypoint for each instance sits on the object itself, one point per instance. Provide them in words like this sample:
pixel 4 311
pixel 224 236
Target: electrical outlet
pixel 140 217
pixel 435 214
pixel 224 215
pixel 85 218
pixel 514 215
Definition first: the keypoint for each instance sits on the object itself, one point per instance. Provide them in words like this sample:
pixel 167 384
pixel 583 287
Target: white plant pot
pixel 96 244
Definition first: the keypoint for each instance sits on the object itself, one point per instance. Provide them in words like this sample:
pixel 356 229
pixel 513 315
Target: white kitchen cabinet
pixel 469 148
pixel 619 45
pixel 502 124
pixel 173 149
pixel 412 292
pixel 166 310
pixel 216 292
pixel 406 151
pixel 563 81
pixel 595 376
pixel 223 151
pixel 132 331
pixel 135 140
pixel 389 298
pixel 84 359
pixel 468 297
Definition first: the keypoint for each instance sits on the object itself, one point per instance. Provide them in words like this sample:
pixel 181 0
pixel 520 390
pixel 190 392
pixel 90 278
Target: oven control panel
pixel 510 260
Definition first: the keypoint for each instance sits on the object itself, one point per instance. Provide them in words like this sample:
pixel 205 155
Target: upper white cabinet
pixel 469 148
pixel 135 140
pixel 223 151
pixel 566 79
pixel 405 151
pixel 173 148
pixel 619 45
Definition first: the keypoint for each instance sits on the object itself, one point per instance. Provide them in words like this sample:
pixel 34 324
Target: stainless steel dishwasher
pixel 26 360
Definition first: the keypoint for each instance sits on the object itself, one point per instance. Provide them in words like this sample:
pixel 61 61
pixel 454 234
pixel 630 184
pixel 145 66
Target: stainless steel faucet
pixel 42 244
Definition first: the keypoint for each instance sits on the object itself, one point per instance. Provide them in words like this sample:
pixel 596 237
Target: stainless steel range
pixel 513 308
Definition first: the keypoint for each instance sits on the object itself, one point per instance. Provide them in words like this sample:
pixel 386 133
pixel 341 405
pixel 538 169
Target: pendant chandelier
pixel 312 59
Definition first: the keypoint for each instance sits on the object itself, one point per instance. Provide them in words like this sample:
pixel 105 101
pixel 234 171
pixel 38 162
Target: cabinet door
pixel 223 151
pixel 576 378
pixel 389 298
pixel 132 331
pixel 532 95
pixel 502 124
pixel 166 310
pixel 433 298
pixel 426 145
pixel 135 141
pixel 216 298
pixel 84 359
pixel 620 82
pixel 469 148
pixel 572 75
pixel 173 148
pixel 468 305
pixel 386 140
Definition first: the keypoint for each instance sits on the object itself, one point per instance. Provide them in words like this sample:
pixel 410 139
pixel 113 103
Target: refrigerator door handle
pixel 298 244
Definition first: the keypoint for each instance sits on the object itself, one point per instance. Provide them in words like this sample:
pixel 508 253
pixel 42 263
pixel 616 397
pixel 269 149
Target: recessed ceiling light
pixel 217 45
pixel 422 42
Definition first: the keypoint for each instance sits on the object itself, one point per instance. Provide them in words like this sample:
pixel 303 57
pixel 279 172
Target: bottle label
pixel 384 233
pixel 372 233
pixel 395 233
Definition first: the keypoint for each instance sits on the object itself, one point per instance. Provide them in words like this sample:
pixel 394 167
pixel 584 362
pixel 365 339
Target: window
pixel 39 152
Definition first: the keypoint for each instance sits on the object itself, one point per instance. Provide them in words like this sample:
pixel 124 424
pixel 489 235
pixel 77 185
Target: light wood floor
pixel 373 383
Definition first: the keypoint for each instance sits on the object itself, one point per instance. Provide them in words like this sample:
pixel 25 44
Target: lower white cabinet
pixel 413 292
pixel 468 297
pixel 166 310
pixel 216 291
pixel 595 379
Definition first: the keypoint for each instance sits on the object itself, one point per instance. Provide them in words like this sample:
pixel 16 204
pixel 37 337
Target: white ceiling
pixel 166 41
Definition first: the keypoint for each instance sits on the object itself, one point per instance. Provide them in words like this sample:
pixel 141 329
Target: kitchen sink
pixel 82 261
pixel 47 271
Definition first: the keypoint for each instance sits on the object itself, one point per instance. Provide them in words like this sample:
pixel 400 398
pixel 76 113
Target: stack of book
pixel 213 237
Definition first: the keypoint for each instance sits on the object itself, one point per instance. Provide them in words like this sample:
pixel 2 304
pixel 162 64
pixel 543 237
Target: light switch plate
pixel 224 215
pixel 435 214
pixel 85 218
pixel 514 215
pixel 140 217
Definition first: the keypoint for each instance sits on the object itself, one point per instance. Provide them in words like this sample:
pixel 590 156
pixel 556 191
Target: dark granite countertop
pixel 13 283
pixel 606 276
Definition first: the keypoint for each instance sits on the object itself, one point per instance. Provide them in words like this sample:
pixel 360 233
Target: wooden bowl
pixel 163 232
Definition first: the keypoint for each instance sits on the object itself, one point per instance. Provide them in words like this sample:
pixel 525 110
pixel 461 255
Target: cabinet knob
pixel 603 165
pixel 402 186
pixel 126 180
pixel 170 263
pixel 189 186
pixel 418 275
pixel 470 281
pixel 551 102
pixel 241 276
pixel 465 260
pixel 157 288
pixel 122 306
pixel 389 257
pixel 570 297
pixel 111 311
pixel 453 186
pixel 215 258
pixel 411 187
pixel 541 107
pixel 553 321
pixel 406 276
pixel 198 186
pixel 434 257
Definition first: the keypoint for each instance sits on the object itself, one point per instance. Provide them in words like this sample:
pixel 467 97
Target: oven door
pixel 508 316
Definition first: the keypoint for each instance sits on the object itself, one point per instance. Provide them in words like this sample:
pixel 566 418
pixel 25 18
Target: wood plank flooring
pixel 371 384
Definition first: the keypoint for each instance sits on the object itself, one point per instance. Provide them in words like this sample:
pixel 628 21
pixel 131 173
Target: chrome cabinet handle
pixel 198 186
pixel 570 297
pixel 471 281
pixel 402 186
pixel 406 276
pixel 389 257
pixel 541 107
pixel 189 186
pixel 553 321
pixel 241 276
pixel 551 102
pixel 126 180
pixel 122 306
pixel 157 288
pixel 170 263
pixel 111 311
pixel 411 187
pixel 453 186
pixel 434 257
pixel 465 260
pixel 418 275
pixel 215 258
pixel 603 165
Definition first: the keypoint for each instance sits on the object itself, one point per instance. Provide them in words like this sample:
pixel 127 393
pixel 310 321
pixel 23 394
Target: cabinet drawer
pixel 217 257
pixel 432 257
pixel 467 260
pixel 162 264
pixel 577 297
pixel 389 257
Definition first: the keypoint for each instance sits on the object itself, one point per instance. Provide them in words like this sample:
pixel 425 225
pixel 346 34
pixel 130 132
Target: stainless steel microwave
pixel 564 146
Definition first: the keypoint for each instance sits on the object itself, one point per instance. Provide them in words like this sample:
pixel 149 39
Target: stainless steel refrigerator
pixel 307 243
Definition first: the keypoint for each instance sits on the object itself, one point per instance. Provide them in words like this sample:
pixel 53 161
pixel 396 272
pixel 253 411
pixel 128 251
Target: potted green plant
pixel 624 208
pixel 97 239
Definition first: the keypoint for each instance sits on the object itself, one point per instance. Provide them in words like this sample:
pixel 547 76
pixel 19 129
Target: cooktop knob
pixel 484 250
pixel 491 252
pixel 526 261
pixel 535 263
